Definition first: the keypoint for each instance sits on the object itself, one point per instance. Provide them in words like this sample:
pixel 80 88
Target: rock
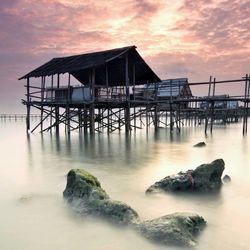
pixel 206 177
pixel 85 190
pixel 177 229
pixel 26 198
pixel 200 144
pixel 226 179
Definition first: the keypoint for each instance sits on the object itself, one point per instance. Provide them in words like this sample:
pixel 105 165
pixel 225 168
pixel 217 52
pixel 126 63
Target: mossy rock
pixel 83 185
pixel 205 178
pixel 178 229
pixel 86 190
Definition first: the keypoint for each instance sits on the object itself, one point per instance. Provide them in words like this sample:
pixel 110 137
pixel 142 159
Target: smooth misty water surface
pixel 33 177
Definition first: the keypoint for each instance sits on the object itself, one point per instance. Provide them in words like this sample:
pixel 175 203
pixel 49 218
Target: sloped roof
pixel 174 87
pixel 80 66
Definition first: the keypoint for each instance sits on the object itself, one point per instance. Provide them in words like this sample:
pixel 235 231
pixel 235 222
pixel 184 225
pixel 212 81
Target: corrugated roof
pixel 174 87
pixel 80 65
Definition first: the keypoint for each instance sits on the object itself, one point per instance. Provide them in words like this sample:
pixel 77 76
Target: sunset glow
pixel 180 38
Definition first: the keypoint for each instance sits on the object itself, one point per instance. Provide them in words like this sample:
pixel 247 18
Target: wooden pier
pixel 118 90
pixel 17 117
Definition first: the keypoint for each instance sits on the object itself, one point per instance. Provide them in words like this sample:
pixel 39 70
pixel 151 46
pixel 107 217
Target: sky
pixel 181 38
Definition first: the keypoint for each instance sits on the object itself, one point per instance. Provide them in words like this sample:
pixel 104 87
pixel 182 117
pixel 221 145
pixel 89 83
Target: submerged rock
pixel 84 191
pixel 177 229
pixel 206 177
pixel 26 198
pixel 200 144
pixel 226 179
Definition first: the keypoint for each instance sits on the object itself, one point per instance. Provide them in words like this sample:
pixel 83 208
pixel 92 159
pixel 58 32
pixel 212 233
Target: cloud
pixel 7 3
pixel 197 68
pixel 221 27
pixel 181 38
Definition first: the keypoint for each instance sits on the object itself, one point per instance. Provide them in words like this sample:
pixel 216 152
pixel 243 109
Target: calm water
pixel 34 215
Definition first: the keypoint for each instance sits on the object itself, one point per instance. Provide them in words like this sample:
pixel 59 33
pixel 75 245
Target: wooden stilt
pixel 80 119
pixel 28 106
pixel 92 108
pixel 171 108
pixel 212 108
pixel 52 90
pixel 166 119
pixel 85 119
pixel 245 106
pixel 42 100
pixel 195 114
pixel 208 104
pixel 156 117
pixel 127 106
pixel 68 106
pixel 147 122
pixel 57 111
pixel 108 119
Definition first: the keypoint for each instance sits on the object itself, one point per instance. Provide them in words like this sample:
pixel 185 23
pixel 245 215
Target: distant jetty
pixel 5 117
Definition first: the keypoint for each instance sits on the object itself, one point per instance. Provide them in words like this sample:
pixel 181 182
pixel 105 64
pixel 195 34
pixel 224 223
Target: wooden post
pixel 127 118
pixel 28 106
pixel 178 122
pixel 51 99
pixel 166 118
pixel 85 119
pixel 171 111
pixel 68 107
pixel 119 119
pixel 107 79
pixel 99 120
pixel 245 107
pixel 108 119
pixel 134 97
pixel 92 108
pixel 195 114
pixel 248 93
pixel 127 108
pixel 208 103
pixel 147 117
pixel 57 108
pixel 212 108
pixel 156 107
pixel 42 99
pixel 80 119
pixel 107 90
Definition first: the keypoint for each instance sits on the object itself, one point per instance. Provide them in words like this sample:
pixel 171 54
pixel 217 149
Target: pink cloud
pixel 178 38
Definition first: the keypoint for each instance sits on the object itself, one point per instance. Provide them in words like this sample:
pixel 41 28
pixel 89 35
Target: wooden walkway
pixel 16 117
pixel 128 110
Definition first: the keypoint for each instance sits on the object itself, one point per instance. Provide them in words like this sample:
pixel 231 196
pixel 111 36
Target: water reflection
pixel 126 167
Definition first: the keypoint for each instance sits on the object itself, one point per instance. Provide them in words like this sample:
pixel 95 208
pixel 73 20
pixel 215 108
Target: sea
pixel 33 169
